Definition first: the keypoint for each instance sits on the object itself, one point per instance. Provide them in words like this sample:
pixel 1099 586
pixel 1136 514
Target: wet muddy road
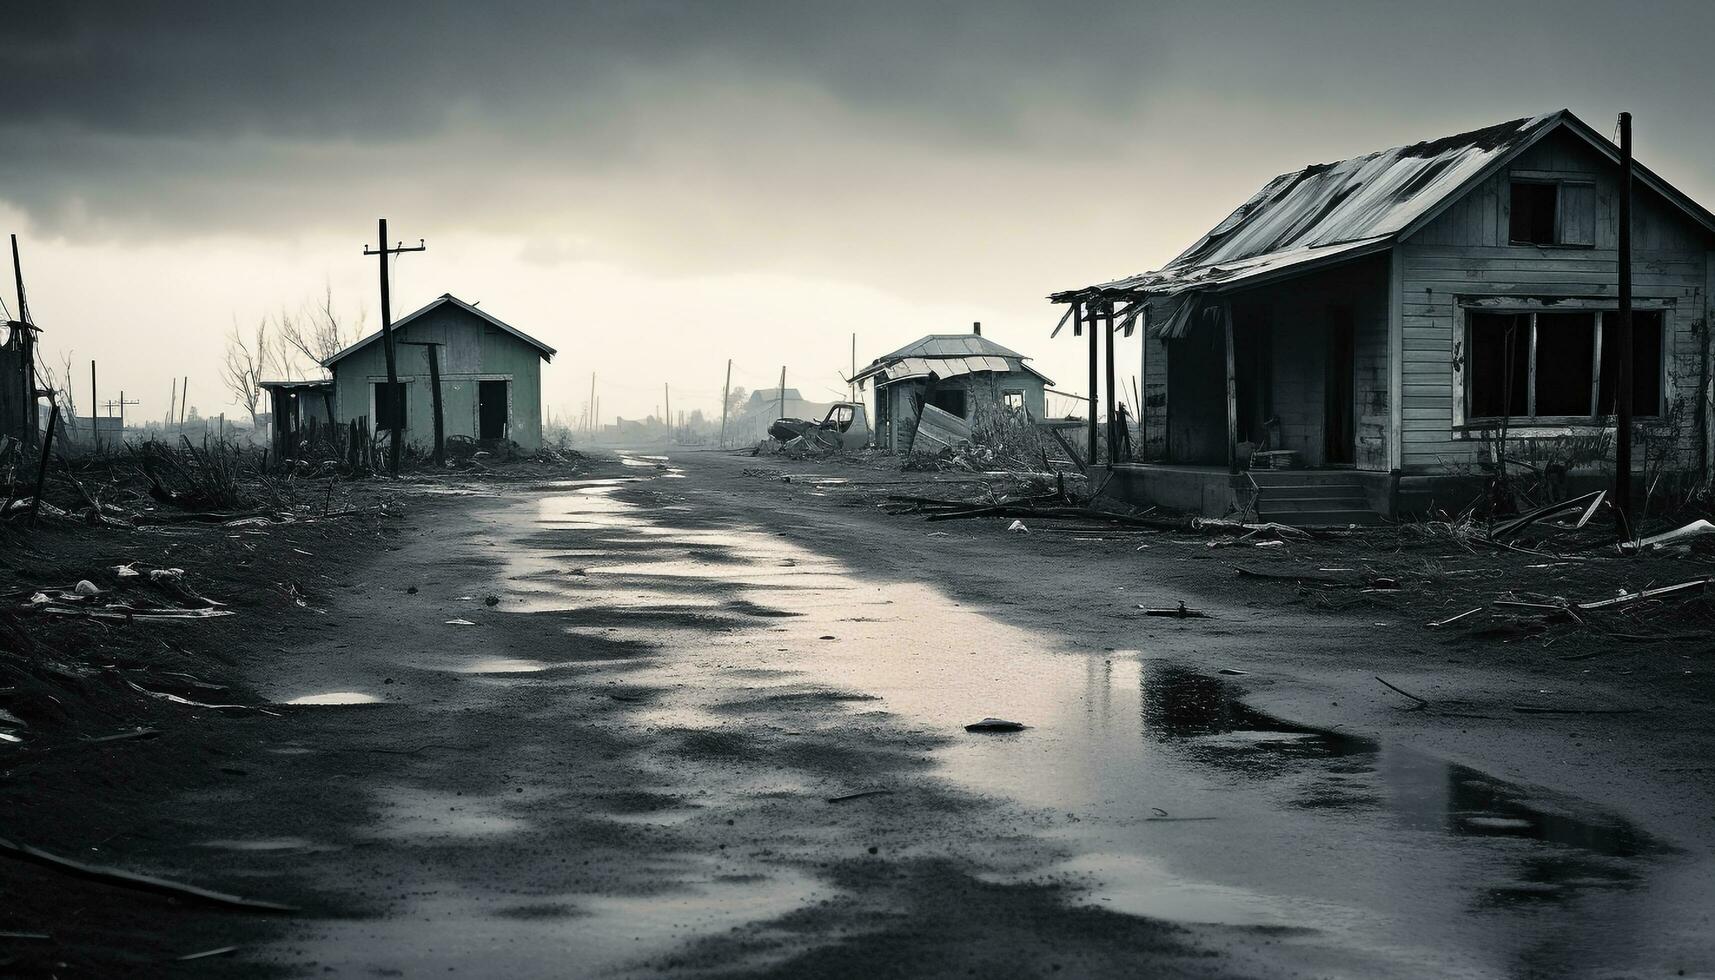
pixel 699 734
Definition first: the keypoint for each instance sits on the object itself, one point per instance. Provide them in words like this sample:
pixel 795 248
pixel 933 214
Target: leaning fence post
pixel 42 470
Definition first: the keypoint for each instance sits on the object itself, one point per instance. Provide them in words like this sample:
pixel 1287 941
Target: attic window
pixel 1546 211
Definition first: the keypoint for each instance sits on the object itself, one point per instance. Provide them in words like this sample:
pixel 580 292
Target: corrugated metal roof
pixel 946 355
pixel 1336 210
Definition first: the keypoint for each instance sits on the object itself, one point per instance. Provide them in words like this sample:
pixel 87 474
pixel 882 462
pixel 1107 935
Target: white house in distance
pixel 491 376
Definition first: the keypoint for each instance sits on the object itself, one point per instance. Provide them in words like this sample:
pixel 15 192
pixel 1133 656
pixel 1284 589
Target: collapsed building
pixel 950 382
pixel 1360 338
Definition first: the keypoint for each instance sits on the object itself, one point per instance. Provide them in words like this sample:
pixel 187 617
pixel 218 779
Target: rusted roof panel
pixel 1335 211
pixel 946 356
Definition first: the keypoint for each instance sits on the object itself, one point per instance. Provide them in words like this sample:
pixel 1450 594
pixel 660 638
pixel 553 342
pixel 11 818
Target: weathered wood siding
pixel 1465 253
pixel 474 351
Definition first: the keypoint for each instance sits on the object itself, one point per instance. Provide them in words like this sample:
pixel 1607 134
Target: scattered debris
pixel 1421 702
pixel 996 725
pixel 460 622
pixel 1178 613
pixel 865 794
pixel 131 879
pixel 208 953
pixel 1452 619
pixel 1017 527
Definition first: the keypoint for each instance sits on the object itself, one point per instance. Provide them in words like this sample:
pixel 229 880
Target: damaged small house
pixel 490 380
pixel 930 392
pixel 1360 337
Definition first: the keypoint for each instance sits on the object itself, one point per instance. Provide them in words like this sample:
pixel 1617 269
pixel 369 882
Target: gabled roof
pixel 1334 212
pixel 774 394
pixel 946 355
pixel 446 299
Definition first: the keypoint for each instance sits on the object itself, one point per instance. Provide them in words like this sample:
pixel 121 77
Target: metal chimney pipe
pixel 977 327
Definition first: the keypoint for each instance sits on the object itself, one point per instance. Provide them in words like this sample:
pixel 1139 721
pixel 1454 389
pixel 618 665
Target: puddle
pixel 278 844
pixel 502 665
pixel 335 698
pixel 1173 799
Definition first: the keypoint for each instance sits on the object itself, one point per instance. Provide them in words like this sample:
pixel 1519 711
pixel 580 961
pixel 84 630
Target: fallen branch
pixel 131 879
pixel 1421 703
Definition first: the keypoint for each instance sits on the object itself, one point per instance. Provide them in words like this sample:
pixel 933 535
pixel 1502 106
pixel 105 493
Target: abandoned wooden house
pixel 490 376
pixel 966 376
pixel 1360 337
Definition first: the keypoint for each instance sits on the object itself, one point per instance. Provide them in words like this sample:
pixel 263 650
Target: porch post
pixel 1089 310
pixel 1142 453
pixel 1108 330
pixel 1232 391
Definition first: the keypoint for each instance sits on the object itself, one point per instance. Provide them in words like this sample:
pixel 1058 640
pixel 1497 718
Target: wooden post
pixel 435 400
pixel 667 400
pixel 94 427
pixel 589 411
pixel 1623 339
pixel 42 468
pixel 726 393
pixel 1113 414
pixel 397 429
pixel 1081 311
pixel 782 392
pixel 184 399
pixel 171 401
pixel 1232 390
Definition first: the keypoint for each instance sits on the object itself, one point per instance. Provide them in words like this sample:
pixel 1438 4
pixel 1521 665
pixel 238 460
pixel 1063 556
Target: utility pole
pixel 94 429
pixel 1623 338
pixel 782 392
pixel 430 348
pixel 111 405
pixel 726 394
pixel 851 385
pixel 667 398
pixel 184 398
pixel 589 409
pixel 395 407
pixel 172 401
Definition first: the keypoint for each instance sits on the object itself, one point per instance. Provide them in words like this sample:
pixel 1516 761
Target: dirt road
pixel 713 724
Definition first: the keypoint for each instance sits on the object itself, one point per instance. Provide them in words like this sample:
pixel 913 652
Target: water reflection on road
pixel 1171 798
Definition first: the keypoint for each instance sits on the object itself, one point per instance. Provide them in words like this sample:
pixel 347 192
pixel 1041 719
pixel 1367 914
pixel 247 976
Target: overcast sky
pixel 653 187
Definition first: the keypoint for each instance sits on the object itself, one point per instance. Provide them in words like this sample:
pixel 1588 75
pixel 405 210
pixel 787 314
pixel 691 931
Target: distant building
pixel 296 409
pixel 965 375
pixel 491 376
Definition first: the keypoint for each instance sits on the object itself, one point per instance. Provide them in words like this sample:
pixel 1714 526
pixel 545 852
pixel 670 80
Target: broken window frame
pixel 1561 236
pixel 1465 395
pixel 1012 400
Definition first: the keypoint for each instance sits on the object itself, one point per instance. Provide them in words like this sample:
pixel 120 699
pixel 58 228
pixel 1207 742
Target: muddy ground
pixel 713 724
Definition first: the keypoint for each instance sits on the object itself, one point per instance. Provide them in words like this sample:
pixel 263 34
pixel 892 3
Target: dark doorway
pixel 491 409
pixel 1337 448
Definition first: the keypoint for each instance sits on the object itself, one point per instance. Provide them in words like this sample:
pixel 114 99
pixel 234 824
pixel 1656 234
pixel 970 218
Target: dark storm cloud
pixel 378 71
pixel 142 118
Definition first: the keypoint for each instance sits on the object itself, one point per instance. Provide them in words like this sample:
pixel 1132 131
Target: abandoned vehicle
pixel 1360 337
pixel 957 380
pixel 490 374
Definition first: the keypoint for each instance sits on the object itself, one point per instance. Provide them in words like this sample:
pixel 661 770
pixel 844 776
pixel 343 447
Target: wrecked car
pixel 846 427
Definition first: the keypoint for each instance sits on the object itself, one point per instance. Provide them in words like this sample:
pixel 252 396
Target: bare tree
pixel 315 333
pixel 245 366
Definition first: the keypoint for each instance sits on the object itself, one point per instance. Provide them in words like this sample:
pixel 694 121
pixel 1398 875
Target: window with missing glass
pixel 1558 366
pixel 1551 211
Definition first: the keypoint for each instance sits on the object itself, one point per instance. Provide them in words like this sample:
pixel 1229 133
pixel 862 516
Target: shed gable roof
pixel 1334 212
pixel 446 299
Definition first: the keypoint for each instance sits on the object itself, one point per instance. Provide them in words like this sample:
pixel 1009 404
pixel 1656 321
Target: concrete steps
pixel 1312 498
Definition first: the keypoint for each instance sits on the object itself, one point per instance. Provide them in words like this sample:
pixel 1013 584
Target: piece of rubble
pixel 996 725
